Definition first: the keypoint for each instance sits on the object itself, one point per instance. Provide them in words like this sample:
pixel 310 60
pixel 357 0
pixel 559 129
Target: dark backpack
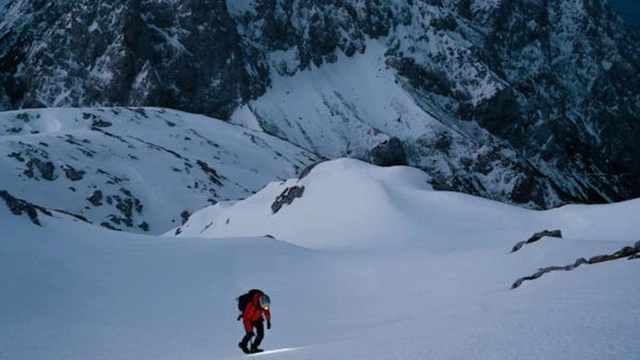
pixel 245 299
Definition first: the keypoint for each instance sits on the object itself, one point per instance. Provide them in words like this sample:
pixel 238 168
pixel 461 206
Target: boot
pixel 255 350
pixel 244 348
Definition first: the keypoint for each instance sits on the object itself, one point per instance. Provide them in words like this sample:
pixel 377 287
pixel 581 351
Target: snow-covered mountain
pixel 529 102
pixel 136 169
pixel 367 263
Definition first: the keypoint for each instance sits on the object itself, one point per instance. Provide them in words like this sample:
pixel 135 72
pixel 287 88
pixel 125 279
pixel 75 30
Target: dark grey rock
pixel 540 235
pixel 287 197
pixel 388 153
pixel 213 174
pixel 537 236
pixel 626 252
pixel 109 226
pixel 19 206
pixel 96 198
pixel 17 156
pixel 72 174
pixel 45 168
pixel 101 123
pixel 540 272
pixel 144 226
pixel 185 216
pixel 308 170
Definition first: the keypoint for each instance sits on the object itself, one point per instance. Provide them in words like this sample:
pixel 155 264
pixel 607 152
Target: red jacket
pixel 253 312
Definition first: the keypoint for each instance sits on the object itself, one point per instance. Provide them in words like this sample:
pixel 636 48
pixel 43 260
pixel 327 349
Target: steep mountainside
pixel 135 169
pixel 531 102
pixel 183 55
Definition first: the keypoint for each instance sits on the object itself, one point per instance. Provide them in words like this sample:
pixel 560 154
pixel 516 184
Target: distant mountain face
pixel 136 169
pixel 183 55
pixel 530 102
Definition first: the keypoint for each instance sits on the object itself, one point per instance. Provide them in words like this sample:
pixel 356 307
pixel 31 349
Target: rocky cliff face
pixel 535 102
pixel 183 55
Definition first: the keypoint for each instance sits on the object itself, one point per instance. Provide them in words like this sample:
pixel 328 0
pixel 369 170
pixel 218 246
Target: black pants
pixel 259 326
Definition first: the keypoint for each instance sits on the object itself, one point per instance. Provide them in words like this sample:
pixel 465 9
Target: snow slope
pixel 325 109
pixel 352 202
pixel 72 290
pixel 136 169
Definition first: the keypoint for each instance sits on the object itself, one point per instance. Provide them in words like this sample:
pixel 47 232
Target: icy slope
pixel 72 290
pixel 136 169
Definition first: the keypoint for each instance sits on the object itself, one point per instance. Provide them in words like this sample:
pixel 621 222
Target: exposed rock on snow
pixel 388 153
pixel 629 252
pixel 536 237
pixel 287 197
pixel 19 206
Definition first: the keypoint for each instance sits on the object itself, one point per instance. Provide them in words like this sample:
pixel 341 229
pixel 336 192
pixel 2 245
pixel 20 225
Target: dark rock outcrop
pixel 286 197
pixel 629 252
pixel 46 169
pixel 388 153
pixel 536 237
pixel 72 174
pixel 96 198
pixel 19 206
pixel 543 271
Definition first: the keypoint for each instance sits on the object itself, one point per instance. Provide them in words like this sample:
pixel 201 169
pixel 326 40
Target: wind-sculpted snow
pixel 136 169
pixel 75 290
pixel 349 203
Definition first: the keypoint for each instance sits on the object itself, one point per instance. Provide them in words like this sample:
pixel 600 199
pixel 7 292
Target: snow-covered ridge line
pixel 361 203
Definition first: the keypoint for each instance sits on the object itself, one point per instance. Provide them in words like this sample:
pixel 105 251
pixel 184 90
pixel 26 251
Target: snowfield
pixel 348 275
